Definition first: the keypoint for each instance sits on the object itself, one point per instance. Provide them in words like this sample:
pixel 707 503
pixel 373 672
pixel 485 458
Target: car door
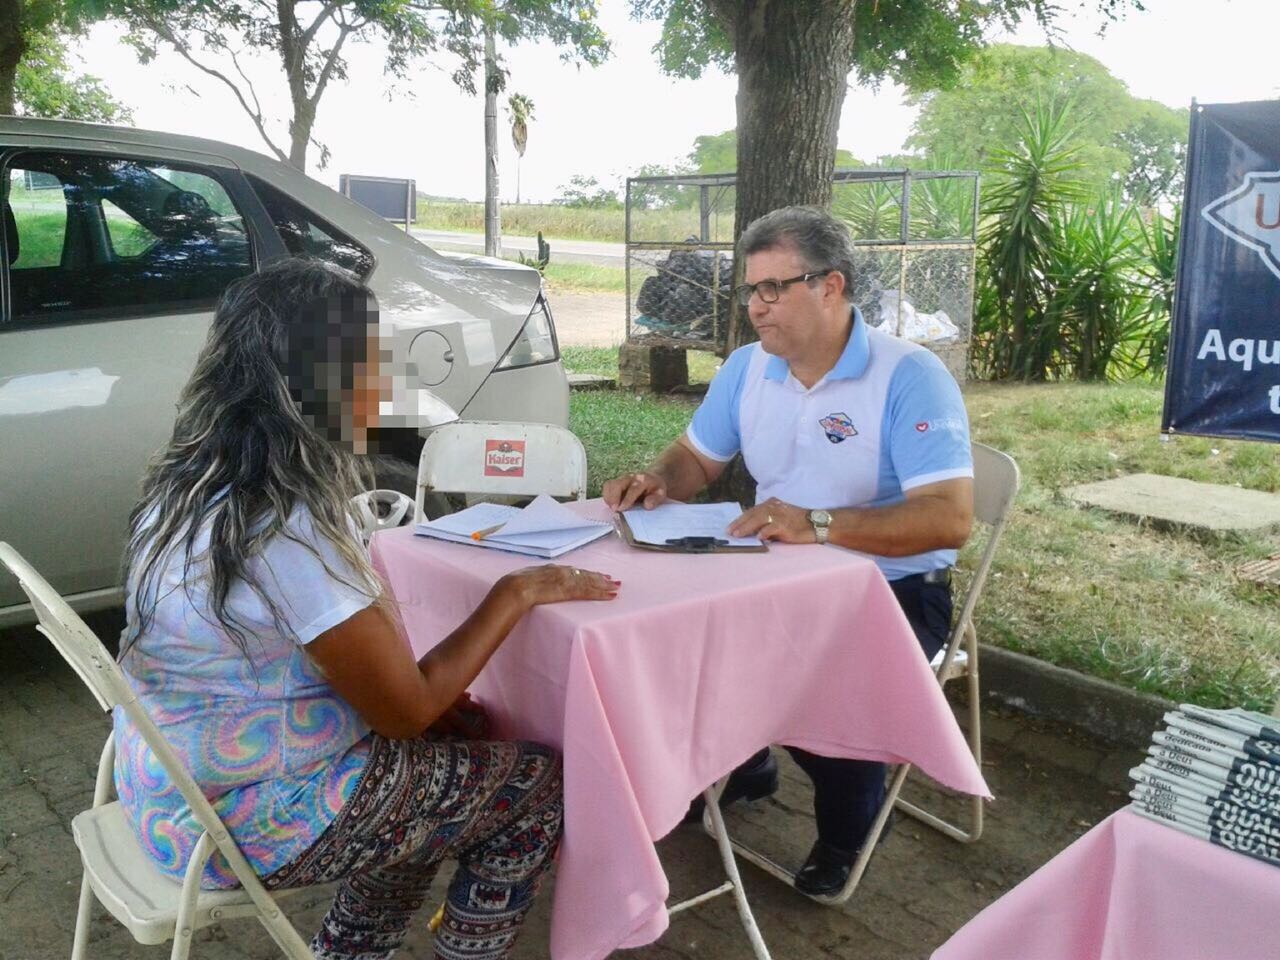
pixel 112 266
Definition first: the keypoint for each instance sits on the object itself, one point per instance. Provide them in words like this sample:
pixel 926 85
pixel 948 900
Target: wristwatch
pixel 820 520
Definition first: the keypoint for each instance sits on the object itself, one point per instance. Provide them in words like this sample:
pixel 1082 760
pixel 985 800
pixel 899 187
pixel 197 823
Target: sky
pixel 608 121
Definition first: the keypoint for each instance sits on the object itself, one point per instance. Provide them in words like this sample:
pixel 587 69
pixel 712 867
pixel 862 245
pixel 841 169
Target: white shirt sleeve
pixel 310 598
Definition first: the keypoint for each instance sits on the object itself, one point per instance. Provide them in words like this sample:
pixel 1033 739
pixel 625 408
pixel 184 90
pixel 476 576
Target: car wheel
pixel 392 474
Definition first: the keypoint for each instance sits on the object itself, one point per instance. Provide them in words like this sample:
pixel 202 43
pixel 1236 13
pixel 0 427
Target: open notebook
pixel 544 528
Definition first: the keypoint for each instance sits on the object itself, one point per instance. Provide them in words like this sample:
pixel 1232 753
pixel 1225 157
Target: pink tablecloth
pixel 1132 889
pixel 699 662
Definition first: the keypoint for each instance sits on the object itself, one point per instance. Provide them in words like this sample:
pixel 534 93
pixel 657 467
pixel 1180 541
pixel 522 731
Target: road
pixel 562 251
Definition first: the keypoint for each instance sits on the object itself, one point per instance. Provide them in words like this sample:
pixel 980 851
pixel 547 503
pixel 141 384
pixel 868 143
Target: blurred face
pixel 369 388
pixel 789 326
pixel 335 369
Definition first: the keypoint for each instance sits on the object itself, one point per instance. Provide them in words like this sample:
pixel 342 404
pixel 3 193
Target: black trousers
pixel 848 793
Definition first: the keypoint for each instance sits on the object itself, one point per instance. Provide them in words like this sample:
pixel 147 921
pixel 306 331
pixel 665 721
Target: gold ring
pixel 768 519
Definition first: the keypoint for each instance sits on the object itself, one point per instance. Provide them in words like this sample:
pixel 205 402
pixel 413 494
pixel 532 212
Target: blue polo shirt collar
pixel 851 364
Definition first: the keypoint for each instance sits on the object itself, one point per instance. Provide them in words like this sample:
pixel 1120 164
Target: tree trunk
pixel 13 44
pixel 492 213
pixel 293 56
pixel 793 61
pixel 300 135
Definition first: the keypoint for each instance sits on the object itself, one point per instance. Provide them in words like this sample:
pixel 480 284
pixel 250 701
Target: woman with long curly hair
pixel 259 640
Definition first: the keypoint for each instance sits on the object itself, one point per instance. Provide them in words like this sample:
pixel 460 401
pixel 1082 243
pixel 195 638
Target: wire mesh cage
pixel 913 233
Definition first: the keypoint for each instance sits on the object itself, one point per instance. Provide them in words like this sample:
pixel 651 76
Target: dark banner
pixel 1224 350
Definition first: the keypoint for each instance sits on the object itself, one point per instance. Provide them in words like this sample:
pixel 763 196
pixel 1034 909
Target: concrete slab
pixel 1173 501
pixel 591 381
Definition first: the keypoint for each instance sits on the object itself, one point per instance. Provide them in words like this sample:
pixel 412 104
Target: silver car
pixel 115 247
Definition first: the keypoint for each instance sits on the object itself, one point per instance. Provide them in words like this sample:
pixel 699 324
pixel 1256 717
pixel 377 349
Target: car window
pixel 99 237
pixel 128 237
pixel 38 214
pixel 306 235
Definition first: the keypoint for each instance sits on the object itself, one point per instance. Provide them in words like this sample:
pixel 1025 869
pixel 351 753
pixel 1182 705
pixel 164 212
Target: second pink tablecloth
pixel 1132 889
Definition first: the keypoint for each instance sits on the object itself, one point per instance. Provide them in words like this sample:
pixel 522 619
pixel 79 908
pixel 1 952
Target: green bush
pixel 1067 286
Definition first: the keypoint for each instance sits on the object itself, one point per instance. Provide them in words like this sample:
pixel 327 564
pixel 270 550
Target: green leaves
pixel 46 86
pixel 1033 180
pixel 1070 283
pixel 310 42
pixel 1139 143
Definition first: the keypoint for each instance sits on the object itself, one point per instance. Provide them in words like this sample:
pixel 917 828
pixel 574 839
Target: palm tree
pixel 521 108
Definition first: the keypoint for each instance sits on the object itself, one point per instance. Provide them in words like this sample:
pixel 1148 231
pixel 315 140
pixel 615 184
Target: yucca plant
pixel 1096 301
pixel 1031 182
pixel 942 207
pixel 871 209
pixel 1160 259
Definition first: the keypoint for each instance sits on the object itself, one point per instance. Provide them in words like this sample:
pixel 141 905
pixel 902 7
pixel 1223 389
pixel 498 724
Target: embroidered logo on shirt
pixel 951 424
pixel 838 427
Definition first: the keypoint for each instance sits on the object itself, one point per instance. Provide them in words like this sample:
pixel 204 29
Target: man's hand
pixel 775 520
pixel 624 492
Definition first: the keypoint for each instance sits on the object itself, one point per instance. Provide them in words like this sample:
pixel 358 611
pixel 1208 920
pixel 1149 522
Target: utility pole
pixel 492 214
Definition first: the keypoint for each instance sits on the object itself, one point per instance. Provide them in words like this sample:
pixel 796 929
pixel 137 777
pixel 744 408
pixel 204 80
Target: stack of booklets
pixel 1215 774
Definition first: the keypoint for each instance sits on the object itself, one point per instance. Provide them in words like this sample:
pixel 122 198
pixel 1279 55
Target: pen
pixel 481 534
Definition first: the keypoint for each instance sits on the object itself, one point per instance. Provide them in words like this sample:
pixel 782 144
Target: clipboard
pixel 683 544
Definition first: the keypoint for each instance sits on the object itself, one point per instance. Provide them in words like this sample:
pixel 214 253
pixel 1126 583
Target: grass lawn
pixel 584 277
pixel 1154 610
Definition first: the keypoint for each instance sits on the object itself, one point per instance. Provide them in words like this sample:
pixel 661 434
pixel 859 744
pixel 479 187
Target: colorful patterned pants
pixel 494 806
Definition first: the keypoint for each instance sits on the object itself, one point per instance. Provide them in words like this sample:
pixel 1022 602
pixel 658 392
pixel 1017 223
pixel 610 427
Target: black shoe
pixel 825 871
pixel 745 783
pixel 827 868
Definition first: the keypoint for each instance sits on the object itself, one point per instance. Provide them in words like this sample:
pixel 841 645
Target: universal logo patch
pixel 1250 215
pixel 838 427
pixel 504 458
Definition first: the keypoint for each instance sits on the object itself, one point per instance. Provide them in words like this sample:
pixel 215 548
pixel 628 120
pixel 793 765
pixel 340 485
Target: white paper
pixel 477 517
pixel 672 521
pixel 544 528
pixel 545 514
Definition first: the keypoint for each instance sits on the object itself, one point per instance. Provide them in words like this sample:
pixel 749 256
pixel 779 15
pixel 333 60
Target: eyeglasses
pixel 770 290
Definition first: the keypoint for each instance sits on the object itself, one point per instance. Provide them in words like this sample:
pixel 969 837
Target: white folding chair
pixel 995 484
pixel 117 870
pixel 382 510
pixel 506 459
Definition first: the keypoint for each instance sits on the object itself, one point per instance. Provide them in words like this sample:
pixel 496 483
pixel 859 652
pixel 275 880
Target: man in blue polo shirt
pixel 855 438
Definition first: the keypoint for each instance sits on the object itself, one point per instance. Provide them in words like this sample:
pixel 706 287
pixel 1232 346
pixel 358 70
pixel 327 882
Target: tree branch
pixel 161 30
pixel 327 71
pixel 309 34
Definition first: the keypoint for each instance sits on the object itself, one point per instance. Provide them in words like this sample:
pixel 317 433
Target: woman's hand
pixel 552 583
pixel 466 720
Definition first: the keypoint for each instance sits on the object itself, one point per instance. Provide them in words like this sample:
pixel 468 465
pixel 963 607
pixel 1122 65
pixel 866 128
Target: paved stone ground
pixel 1052 784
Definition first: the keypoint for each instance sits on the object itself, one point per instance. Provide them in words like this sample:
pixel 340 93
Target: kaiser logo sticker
pixel 838 427
pixel 1250 215
pixel 504 458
